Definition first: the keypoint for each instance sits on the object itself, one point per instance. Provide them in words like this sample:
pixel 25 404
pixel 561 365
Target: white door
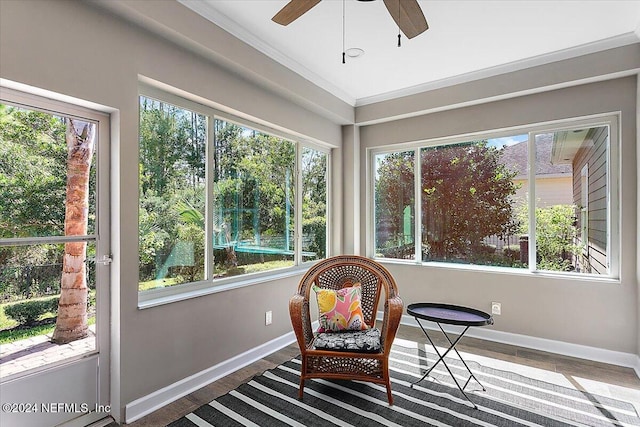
pixel 43 383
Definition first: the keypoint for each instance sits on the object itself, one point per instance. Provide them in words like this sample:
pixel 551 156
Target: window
pixel 172 194
pixel 253 200
pixel 394 205
pixel 534 199
pixel 221 199
pixel 314 204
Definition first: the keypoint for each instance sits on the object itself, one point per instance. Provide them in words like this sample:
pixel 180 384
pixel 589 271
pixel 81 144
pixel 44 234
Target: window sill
pixel 505 270
pixel 168 295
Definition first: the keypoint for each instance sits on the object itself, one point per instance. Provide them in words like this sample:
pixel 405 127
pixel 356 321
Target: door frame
pixel 99 360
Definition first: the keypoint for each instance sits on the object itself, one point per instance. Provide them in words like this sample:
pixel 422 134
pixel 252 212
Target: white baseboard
pixel 151 402
pixel 628 360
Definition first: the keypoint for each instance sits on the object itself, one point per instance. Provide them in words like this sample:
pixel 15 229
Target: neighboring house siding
pixel 553 191
pixel 593 153
pixel 549 191
pixel 553 181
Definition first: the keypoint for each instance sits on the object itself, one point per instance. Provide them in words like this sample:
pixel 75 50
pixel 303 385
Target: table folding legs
pixel 452 346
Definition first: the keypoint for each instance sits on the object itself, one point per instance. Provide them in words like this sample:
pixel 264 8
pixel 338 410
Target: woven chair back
pixel 346 270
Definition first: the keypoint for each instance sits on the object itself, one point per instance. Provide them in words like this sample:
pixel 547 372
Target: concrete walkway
pixel 34 352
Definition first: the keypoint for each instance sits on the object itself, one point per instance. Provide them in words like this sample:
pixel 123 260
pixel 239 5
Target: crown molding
pixel 232 27
pixel 207 11
pixel 585 49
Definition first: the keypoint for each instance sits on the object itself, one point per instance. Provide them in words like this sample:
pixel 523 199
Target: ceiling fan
pixel 406 13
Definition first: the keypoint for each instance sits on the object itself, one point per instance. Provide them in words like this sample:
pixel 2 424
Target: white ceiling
pixel 466 40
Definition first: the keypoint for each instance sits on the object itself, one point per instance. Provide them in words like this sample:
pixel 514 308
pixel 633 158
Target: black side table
pixel 450 315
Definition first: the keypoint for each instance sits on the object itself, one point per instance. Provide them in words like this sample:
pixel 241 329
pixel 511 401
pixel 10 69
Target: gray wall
pixel 75 49
pixel 350 206
pixel 602 315
pixel 587 68
pixel 638 211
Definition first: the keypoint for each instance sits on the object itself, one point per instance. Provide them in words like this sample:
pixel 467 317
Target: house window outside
pixel 479 200
pixel 221 199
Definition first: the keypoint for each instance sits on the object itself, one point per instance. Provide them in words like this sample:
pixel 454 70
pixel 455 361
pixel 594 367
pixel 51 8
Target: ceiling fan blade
pixel 293 10
pixel 408 16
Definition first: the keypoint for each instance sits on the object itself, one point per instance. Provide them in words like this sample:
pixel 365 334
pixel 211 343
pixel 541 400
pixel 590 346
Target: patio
pixel 35 352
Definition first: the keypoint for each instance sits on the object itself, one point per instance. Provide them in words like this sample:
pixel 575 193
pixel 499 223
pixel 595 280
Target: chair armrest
pixel 393 308
pixel 301 321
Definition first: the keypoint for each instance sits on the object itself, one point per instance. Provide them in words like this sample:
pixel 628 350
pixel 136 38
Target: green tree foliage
pixel 33 157
pixel 172 171
pixel 253 196
pixel 394 193
pixel 266 169
pixel 255 180
pixel 466 196
pixel 556 236
pixel 314 203
pixel 32 173
pixel 172 146
pixel 30 271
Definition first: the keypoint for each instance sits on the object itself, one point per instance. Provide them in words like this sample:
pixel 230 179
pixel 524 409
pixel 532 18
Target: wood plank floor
pixel 615 381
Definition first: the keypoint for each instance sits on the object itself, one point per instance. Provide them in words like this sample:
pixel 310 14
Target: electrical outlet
pixel 268 317
pixel 496 308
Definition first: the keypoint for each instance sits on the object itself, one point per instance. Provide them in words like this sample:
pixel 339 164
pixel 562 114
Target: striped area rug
pixel 511 399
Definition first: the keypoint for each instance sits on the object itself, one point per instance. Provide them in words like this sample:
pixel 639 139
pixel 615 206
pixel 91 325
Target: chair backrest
pixel 345 270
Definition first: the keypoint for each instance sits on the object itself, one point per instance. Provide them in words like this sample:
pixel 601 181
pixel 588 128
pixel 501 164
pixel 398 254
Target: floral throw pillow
pixel 340 310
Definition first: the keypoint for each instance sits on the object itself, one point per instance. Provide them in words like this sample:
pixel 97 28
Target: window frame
pixel 160 296
pixel 584 206
pixel 610 119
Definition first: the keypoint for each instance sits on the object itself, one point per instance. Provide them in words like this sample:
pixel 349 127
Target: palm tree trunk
pixel 71 323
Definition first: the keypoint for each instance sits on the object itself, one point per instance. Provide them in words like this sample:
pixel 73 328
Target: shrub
pixel 480 249
pixel 556 234
pixel 512 252
pixel 91 299
pixel 27 312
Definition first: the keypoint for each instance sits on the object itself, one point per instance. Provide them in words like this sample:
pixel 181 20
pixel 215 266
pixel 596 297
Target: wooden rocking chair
pixel 365 365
